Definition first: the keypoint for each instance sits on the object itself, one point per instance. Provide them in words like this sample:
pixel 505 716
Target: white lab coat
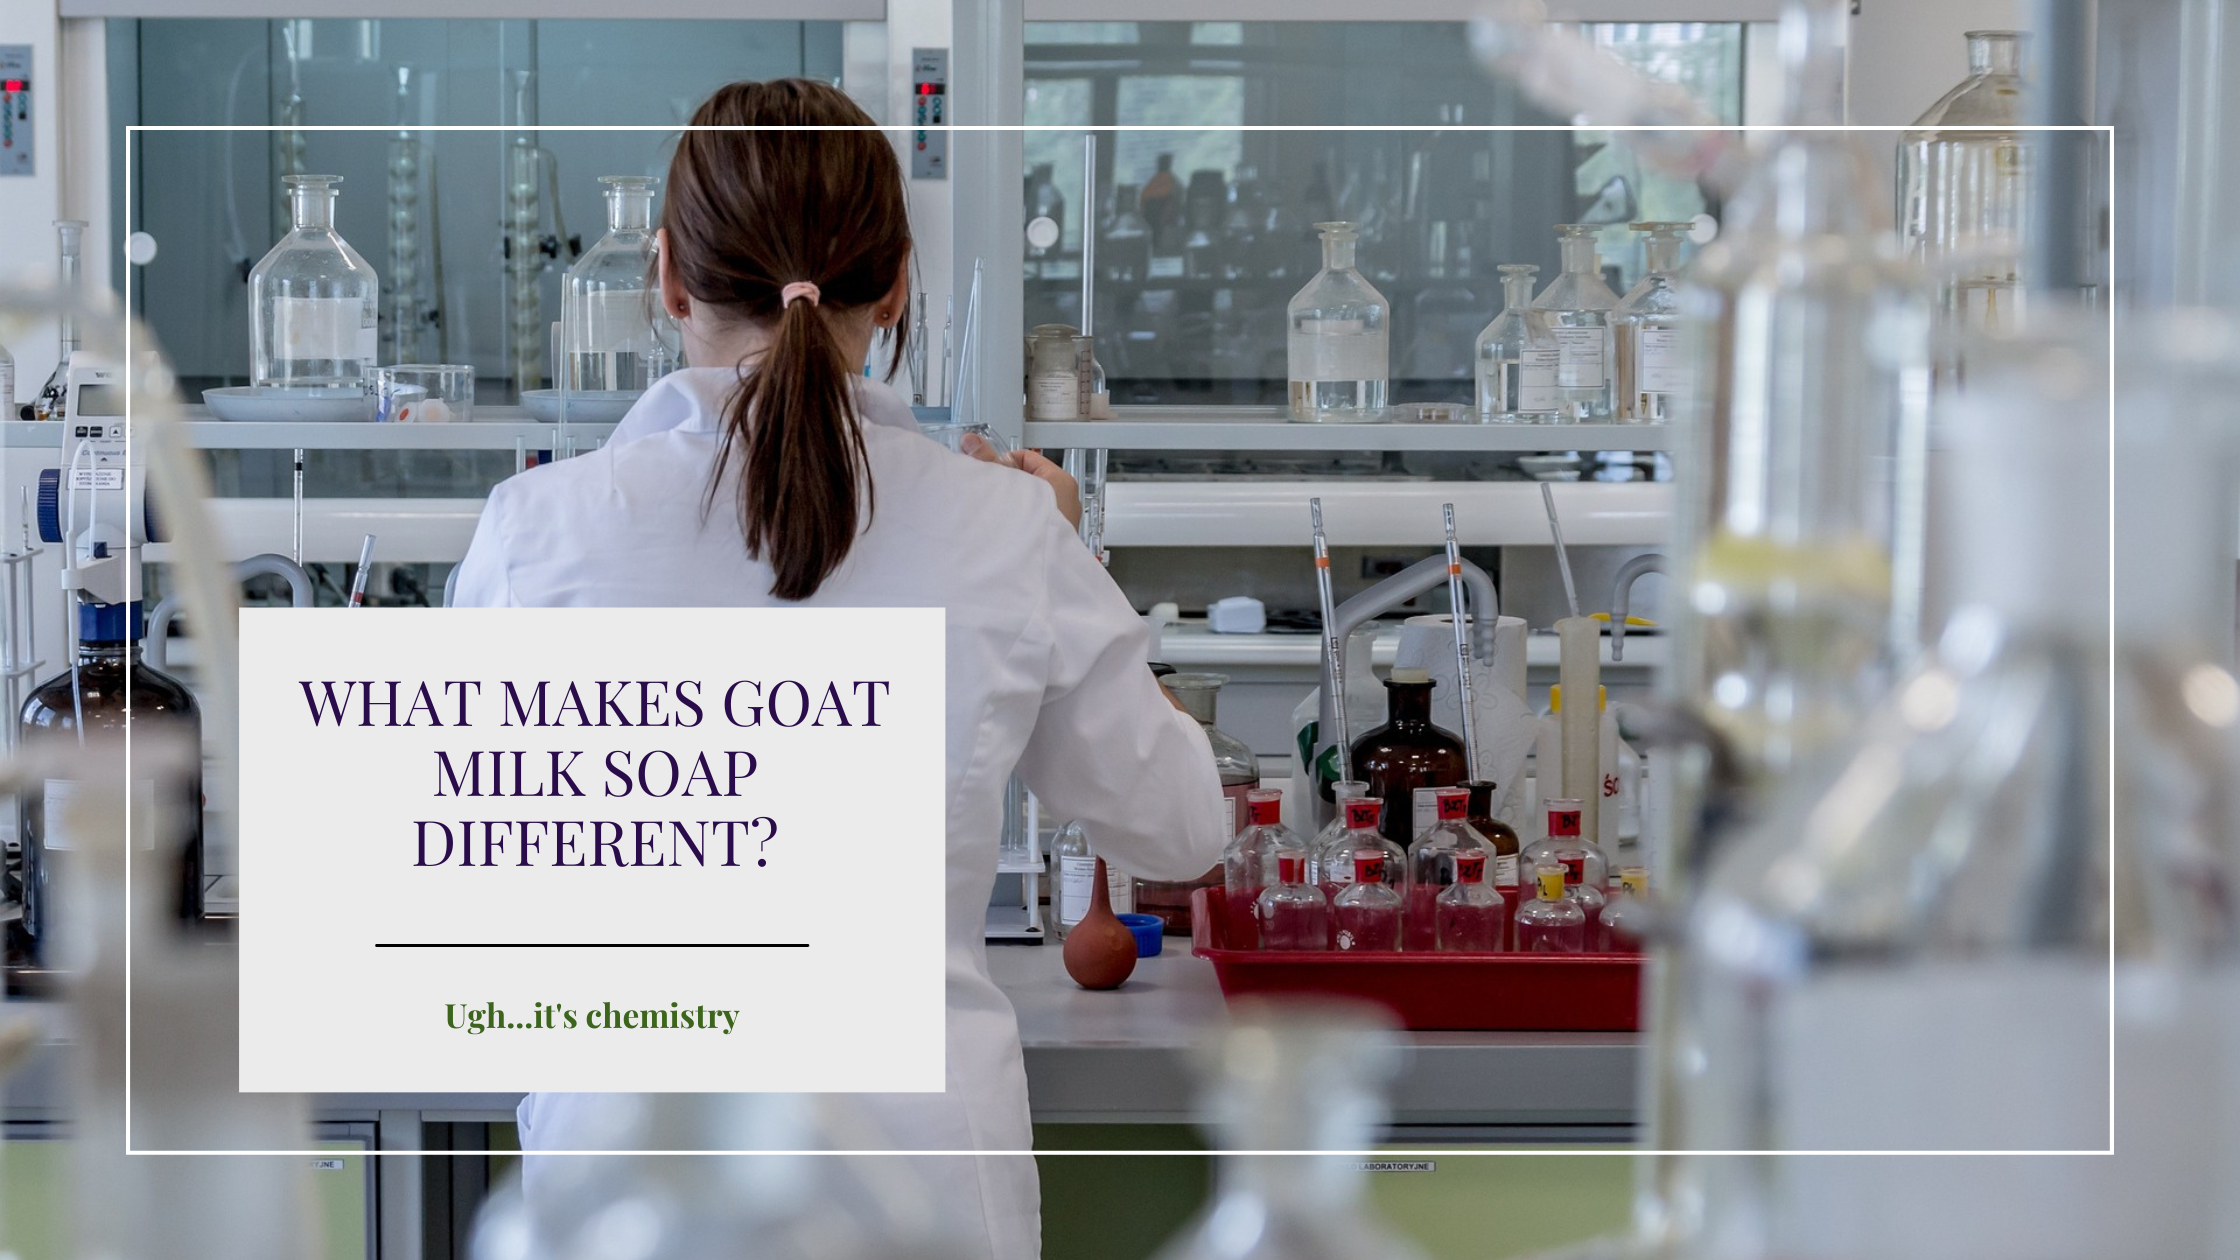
pixel 1046 674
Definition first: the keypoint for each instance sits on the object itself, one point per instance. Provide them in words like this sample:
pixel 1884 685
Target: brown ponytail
pixel 748 213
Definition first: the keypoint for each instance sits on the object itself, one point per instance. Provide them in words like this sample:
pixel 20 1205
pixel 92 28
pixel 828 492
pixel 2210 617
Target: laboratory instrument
pixel 7 382
pixel 917 356
pixel 408 318
pixel 1360 846
pixel 1503 848
pixel 1239 770
pixel 1306 1076
pixel 1100 951
pixel 1627 916
pixel 313 302
pixel 1077 864
pixel 364 569
pixel 1407 752
pixel 530 171
pixel 610 300
pixel 1517 357
pixel 1550 923
pixel 1333 833
pixel 1910 948
pixel 1621 597
pixel 50 402
pixel 1340 339
pixel 1469 915
pixel 1248 861
pixel 1053 383
pixel 1333 654
pixel 1365 915
pixel 1655 376
pixel 1292 913
pixel 1433 859
pixel 1563 557
pixel 424 393
pixel 1581 860
pixel 1578 307
pixel 1964 189
pixel 1460 619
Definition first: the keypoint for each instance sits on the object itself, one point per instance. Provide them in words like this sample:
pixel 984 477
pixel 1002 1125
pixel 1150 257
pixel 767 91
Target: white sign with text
pixel 592 849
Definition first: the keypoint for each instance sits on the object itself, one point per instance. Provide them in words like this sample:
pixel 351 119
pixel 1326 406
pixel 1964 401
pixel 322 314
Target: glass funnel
pixel 1340 339
pixel 313 302
pixel 609 303
pixel 1578 307
pixel 1654 373
pixel 1964 187
pixel 1302 1076
pixel 1517 356
pixel 1909 949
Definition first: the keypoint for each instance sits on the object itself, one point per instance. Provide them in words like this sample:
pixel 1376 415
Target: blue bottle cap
pixel 109 623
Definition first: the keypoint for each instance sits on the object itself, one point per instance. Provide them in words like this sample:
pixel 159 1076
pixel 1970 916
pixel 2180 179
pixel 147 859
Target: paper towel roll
pixel 1504 725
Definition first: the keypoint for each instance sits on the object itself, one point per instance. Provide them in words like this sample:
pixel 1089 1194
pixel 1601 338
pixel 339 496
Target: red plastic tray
pixel 1458 992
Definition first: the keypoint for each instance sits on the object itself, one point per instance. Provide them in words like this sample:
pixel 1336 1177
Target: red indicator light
pixel 12 85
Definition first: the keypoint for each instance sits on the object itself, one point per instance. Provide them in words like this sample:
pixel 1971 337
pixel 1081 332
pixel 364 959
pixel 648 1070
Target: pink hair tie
pixel 798 289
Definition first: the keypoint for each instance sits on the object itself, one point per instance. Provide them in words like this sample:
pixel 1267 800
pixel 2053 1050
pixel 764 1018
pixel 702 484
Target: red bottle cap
pixel 1362 813
pixel 1291 866
pixel 1263 809
pixel 1454 804
pixel 1470 868
pixel 1563 818
pixel 1368 866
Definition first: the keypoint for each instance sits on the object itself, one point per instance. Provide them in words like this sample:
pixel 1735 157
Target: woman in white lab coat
pixel 783 253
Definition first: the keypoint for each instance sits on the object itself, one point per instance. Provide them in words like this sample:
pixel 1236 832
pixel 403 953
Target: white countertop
pixel 1191 643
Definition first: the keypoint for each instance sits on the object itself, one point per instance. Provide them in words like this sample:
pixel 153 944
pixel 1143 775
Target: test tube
pixel 1563 558
pixel 365 566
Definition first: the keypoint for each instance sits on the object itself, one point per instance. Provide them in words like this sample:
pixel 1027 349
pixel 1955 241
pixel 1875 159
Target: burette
pixel 1331 645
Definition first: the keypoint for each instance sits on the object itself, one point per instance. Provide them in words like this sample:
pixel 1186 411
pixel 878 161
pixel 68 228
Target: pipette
pixel 1461 644
pixel 967 371
pixel 918 355
pixel 1563 558
pixel 948 326
pixel 1331 645
pixel 365 566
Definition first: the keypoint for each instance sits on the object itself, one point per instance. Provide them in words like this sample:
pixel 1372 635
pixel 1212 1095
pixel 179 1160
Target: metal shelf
pixel 508 428
pixel 1267 429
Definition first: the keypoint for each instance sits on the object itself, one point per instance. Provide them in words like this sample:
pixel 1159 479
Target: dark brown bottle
pixel 108 650
pixel 1407 753
pixel 1502 871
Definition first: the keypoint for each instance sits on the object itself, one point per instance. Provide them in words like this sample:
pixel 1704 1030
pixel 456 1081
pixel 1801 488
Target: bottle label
pixel 1470 868
pixel 1338 350
pixel 1077 878
pixel 1265 813
pixel 319 328
pixel 1056 396
pixel 1551 884
pixel 369 348
pixel 1664 367
pixel 1426 814
pixel 1362 813
pixel 1368 866
pixel 1634 881
pixel 609 321
pixel 1574 868
pixel 1536 383
pixel 1505 870
pixel 1454 806
pixel 1582 357
pixel 1563 820
pixel 1291 866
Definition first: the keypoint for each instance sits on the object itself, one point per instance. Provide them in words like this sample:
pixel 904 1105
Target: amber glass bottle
pixel 1407 753
pixel 92 693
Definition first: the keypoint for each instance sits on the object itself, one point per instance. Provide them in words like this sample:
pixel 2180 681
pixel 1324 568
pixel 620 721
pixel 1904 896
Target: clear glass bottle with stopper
pixel 313 301
pixel 1964 188
pixel 1470 916
pixel 1239 771
pixel 1291 913
pixel 1550 923
pixel 1357 848
pixel 1075 860
pixel 609 301
pixel 1517 357
pixel 1434 856
pixel 1249 864
pixel 1578 307
pixel 1654 373
pixel 1340 339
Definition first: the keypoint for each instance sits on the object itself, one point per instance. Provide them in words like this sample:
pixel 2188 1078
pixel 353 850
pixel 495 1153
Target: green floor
pixel 34 1200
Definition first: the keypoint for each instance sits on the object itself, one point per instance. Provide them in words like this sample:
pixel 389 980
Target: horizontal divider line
pixel 591 944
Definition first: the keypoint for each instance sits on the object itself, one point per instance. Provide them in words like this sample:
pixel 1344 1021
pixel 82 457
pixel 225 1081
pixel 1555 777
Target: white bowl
pixel 585 406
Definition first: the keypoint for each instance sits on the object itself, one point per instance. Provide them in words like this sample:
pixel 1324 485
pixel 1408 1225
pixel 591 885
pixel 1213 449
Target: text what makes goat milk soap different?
pixel 591 849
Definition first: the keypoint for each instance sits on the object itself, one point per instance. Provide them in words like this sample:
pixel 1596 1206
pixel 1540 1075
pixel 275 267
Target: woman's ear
pixel 895 305
pixel 673 297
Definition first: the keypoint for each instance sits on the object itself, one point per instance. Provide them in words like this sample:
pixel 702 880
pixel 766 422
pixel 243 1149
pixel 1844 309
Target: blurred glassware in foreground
pixel 1304 1076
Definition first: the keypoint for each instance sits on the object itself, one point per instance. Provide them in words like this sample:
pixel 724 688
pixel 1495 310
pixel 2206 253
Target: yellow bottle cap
pixel 1555 698
pixel 1636 880
pixel 1551 882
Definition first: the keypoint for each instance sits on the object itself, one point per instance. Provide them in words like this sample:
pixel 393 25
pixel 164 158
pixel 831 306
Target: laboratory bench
pixel 1119 1057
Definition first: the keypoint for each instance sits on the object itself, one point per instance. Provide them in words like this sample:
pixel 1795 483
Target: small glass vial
pixel 1076 869
pixel 1517 357
pixel 1578 307
pixel 1626 915
pixel 1249 860
pixel 1340 339
pixel 1654 372
pixel 314 304
pixel 1292 913
pixel 1339 865
pixel 1470 916
pixel 1551 923
pixel 1432 859
pixel 1366 916
pixel 1053 382
pixel 609 301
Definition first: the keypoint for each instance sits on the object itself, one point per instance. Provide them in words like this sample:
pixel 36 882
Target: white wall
pixel 1907 53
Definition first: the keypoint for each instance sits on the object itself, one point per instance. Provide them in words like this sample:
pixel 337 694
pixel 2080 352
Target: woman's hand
pixel 1061 482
